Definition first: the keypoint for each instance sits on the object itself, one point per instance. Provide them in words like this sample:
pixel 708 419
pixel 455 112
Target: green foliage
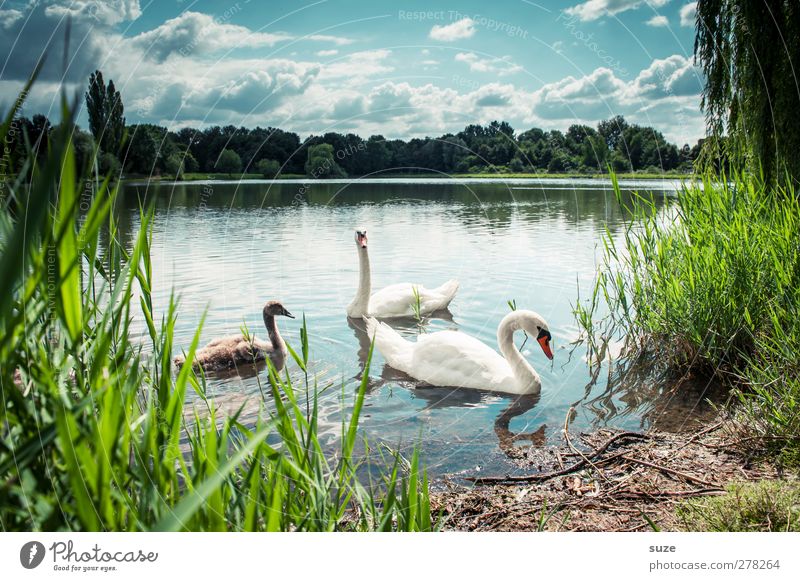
pixel 492 148
pixel 713 286
pixel 146 149
pixel 173 165
pixel 229 162
pixel 106 113
pixel 94 430
pixel 269 168
pixel 321 162
pixel 108 164
pixel 750 62
pixel 747 507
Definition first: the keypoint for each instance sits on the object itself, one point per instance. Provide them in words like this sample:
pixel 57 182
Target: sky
pixel 400 69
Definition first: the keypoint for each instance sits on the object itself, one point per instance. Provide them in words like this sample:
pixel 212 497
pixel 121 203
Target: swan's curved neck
pixel 274 335
pixel 360 304
pixel 523 371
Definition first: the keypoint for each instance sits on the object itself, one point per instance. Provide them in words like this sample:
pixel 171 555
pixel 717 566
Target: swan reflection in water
pixel 443 397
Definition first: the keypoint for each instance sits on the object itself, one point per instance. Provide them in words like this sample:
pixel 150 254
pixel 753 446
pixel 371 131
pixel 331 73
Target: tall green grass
pixel 93 432
pixel 711 286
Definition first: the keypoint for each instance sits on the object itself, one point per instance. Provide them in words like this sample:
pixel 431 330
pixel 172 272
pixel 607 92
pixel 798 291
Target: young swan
pixel 397 300
pixel 227 352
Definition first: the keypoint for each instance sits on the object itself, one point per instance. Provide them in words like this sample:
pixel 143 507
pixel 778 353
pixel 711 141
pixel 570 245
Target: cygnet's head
pixel 275 308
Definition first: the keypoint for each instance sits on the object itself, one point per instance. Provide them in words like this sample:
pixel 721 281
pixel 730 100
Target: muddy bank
pixel 604 481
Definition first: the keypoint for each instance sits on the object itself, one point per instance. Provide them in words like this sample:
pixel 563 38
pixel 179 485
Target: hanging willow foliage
pixel 750 54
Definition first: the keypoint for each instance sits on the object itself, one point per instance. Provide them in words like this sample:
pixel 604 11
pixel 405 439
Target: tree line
pixel 147 149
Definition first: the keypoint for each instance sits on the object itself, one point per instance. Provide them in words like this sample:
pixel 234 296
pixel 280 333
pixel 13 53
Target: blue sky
pixel 400 69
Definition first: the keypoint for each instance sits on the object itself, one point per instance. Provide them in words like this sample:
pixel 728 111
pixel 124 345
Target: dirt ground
pixel 604 481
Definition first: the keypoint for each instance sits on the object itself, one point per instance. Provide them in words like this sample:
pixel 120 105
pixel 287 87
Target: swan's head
pixel 544 338
pixel 274 309
pixel 536 326
pixel 361 238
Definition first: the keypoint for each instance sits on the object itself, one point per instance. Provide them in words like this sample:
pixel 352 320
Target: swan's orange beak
pixel 544 342
pixel 362 239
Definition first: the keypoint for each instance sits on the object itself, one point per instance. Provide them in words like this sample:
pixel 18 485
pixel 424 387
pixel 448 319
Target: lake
pixel 228 247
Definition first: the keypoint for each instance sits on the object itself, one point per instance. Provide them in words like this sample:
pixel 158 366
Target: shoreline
pixel 196 177
pixel 623 482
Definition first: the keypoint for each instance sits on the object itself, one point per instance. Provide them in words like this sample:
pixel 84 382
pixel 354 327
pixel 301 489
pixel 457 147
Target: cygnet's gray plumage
pixel 227 352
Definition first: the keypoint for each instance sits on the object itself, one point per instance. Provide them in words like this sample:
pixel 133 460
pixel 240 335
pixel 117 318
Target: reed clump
pixel 711 286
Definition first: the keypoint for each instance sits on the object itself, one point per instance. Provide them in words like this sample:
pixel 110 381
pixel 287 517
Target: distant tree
pixel 269 168
pixel 189 162
pixel 145 149
pixel 173 165
pixel 105 110
pixel 595 153
pixel 612 130
pixel 321 162
pixel 229 162
pixel 750 54
pixel 108 164
pixel 83 145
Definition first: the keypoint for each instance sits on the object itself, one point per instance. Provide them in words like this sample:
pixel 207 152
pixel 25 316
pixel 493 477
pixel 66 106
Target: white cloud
pixel 501 66
pixel 594 9
pixel 35 30
pixel 672 76
pixel 107 13
pixel 658 21
pixel 198 33
pixel 332 52
pixel 688 13
pixel 9 17
pixel 359 92
pixel 337 40
pixel 358 66
pixel 459 29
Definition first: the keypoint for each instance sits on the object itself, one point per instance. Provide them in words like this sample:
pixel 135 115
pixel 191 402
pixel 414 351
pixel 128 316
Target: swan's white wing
pixel 398 300
pixel 393 301
pixel 389 343
pixel 453 359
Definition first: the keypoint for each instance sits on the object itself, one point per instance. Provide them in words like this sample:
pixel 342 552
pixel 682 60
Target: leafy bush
pixel 269 168
pixel 229 162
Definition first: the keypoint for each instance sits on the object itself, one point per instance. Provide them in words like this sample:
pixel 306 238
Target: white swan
pixel 235 350
pixel 397 300
pixel 454 359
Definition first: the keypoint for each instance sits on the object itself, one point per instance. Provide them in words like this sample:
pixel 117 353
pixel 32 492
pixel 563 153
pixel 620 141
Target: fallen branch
pixel 683 475
pixel 711 491
pixel 568 470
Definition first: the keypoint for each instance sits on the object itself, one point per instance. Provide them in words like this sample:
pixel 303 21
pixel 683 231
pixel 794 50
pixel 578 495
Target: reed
pixel 711 286
pixel 93 430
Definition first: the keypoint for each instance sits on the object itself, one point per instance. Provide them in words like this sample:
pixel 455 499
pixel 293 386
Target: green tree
pixel 321 163
pixel 145 149
pixel 173 165
pixel 750 54
pixel 269 168
pixel 106 113
pixel 229 162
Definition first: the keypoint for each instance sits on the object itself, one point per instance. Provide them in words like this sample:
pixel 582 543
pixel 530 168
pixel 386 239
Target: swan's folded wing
pixel 439 297
pixel 450 358
pixel 399 300
pixel 393 301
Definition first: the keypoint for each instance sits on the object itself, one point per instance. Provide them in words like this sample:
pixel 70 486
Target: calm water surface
pixel 229 247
